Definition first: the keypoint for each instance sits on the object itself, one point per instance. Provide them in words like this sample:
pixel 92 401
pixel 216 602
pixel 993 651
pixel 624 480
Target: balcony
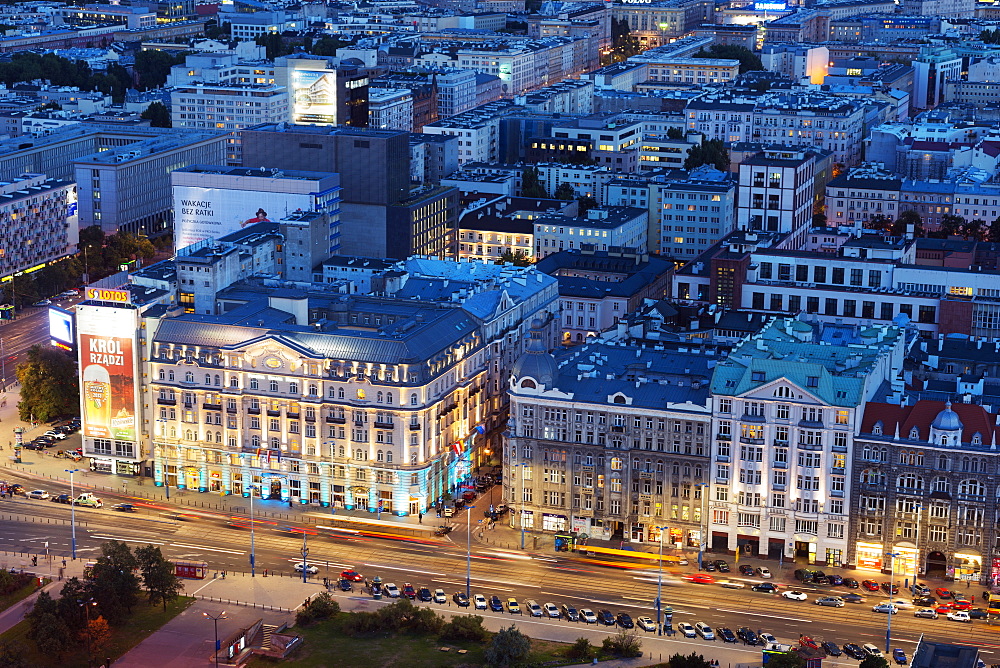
pixel 274 413
pixel 212 407
pixel 779 444
pixel 752 418
pixel 336 420
pixel 231 409
pixel 722 458
pixel 414 426
pixel 723 437
pixel 253 411
pixel 779 465
pixel 166 402
pixel 752 441
pixel 384 425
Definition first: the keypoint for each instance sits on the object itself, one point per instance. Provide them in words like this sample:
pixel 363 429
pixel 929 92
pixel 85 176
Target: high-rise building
pixel 37 222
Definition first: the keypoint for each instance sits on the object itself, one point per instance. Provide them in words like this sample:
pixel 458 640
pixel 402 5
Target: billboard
pixel 314 97
pixel 61 326
pixel 107 371
pixel 209 213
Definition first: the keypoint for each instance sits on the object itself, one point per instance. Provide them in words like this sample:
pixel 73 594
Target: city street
pixel 30 328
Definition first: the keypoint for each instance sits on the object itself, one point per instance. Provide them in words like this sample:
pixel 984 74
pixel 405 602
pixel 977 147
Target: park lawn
pixel 7 600
pixel 145 620
pixel 325 646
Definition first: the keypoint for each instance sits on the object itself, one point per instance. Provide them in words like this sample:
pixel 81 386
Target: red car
pixel 870 585
pixel 942 592
pixel 408 591
pixel 943 609
pixel 702 578
pixel 961 604
pixel 806 641
pixel 353 576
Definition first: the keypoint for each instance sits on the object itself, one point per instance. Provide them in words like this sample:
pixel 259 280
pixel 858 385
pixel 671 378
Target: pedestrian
pixel 968 584
pixel 64 563
pixel 420 517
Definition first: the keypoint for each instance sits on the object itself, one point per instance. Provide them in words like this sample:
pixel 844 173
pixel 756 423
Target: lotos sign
pixel 105 295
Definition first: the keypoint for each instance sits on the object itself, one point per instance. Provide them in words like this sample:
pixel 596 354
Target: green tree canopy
pixel 564 191
pixel 675 133
pixel 516 258
pixel 710 152
pixel 873 662
pixel 49 387
pixel 786 660
pixel 46 628
pixel 508 648
pixel 692 660
pixel 531 186
pixel 162 585
pixel 152 67
pixel 749 61
pixel 904 220
pixel 157 114
pixel 114 584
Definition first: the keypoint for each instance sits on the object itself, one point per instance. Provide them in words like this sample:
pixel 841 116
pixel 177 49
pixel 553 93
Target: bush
pixel 466 628
pixel 625 644
pixel 362 623
pixel 322 606
pixel 11 582
pixel 581 649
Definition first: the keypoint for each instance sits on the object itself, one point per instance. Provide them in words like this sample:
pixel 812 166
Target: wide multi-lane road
pixel 28 525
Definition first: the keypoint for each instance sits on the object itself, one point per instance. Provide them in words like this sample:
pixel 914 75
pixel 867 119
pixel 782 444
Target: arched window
pixel 189 377
pixel 218 437
pixel 877 429
pixel 379 456
pixel 528 384
pixel 966 465
pixel 784 392
pixel 173 432
pixel 255 441
pixel 378 397
pixel 234 382
pixel 340 393
pixel 208 379
pixel 616 463
pixel 340 451
pixel 188 435
pixel 170 374
pixel 275 443
pixel 218 380
pixel 971 487
pixel 872 477
pixel 388 397
pixel 977 439
pixel 910 481
pixel 312 389
pixel 273 386
pixel 915 433
pixel 361 393
pixel 943 463
pixel 359 454
pixel 254 384
pixel 941 484
pixel 388 457
pixel 413 399
pixel 163 374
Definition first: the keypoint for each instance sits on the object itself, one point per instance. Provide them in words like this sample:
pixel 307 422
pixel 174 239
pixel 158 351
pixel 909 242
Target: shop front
pixel 905 559
pixel 581 525
pixel 870 555
pixel 968 566
pixel 553 522
pixel 805 548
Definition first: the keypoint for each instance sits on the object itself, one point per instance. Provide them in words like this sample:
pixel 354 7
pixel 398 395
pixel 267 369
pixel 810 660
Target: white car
pixel 40 494
pixel 732 584
pixel 646 624
pixel 766 638
pixel 391 590
pixel 959 616
pixel 763 572
pixel 479 601
pixel 440 596
pixel 686 630
pixel 588 616
pixel 887 608
pixel 872 649
pixel 58 435
pixel 552 611
pixel 310 569
pixel 794 595
pixel 903 604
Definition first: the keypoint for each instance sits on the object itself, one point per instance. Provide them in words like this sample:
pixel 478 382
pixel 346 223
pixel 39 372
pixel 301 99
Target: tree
pixel 902 224
pixel 49 387
pixel 975 229
pixel 115 585
pixel 675 133
pixel 786 660
pixel 749 61
pixel 564 191
pixel 710 152
pixel 625 643
pixel 464 628
pixel 581 650
pixel 11 655
pixel 994 232
pixel 46 628
pixel 586 203
pixel 692 660
pixel 509 647
pixel 951 225
pixel 158 577
pixel 880 222
pixel 97 635
pixel 74 591
pixel 326 46
pixel 157 114
pixel 871 662
pixel 531 186
pixel 273 45
pixel 624 44
pixel 152 67
pixel 517 258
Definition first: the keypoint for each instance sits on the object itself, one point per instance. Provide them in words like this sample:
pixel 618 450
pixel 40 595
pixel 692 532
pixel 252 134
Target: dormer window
pixel 914 433
pixel 757 376
pixel 877 429
pixel 528 383
pixel 977 439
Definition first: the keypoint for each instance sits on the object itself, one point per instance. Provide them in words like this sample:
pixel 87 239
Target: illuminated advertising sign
pixel 770 6
pixel 107 371
pixel 105 295
pixel 61 326
pixel 314 97
pixel 210 213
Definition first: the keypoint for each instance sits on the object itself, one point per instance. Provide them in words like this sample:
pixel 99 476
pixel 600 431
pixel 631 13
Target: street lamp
pixel 468 553
pixel 305 553
pixel 72 509
pixel 892 581
pixel 87 605
pixel 704 516
pixel 215 619
pixel 659 588
pixel 253 560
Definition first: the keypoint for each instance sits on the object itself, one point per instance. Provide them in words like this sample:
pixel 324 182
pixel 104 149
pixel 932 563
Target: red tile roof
pixel 920 415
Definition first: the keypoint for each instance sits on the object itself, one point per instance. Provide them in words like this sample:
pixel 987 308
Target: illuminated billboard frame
pixel 314 97
pixel 106 343
pixel 61 327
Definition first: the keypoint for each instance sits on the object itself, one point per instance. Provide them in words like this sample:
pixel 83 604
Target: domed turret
pixel 947 420
pixel 536 362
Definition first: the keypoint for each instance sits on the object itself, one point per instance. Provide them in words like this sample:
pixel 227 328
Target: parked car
pixel 942 592
pixel 830 601
pixel 513 607
pixel 570 613
pixel 552 611
pixel 748 636
pixel 763 572
pixel 43 302
pixel 928 613
pixel 899 656
pixel 39 494
pixel 850 583
pixel 606 617
pixel 871 649
pixel 746 569
pixel 441 597
pixel 625 621
pixel 725 634
pixel 479 602
pixel 389 589
pixel 978 613
pixel 309 568
pixel 534 609
pixel 645 623
pixel 411 593
pixel 794 595
pixel 959 616
pixel 347 585
pixel 708 566
pixel 835 580
pixel 424 594
pixel 803 575
pixel 961 604
pixel 890 588
pixel 765 587
pixel 686 630
pixel 855 652
pixel 461 600
pixel 704 630
pixel 588 616
pixel 887 608
pixel 722 565
pixel 56 434
pixel 870 585
pixel 830 648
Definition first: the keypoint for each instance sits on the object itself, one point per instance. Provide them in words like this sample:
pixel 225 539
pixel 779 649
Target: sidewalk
pixel 47 568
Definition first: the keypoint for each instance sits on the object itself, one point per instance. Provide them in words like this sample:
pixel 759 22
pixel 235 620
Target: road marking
pixel 128 540
pixel 403 568
pixel 210 549
pixel 451 582
pixel 764 614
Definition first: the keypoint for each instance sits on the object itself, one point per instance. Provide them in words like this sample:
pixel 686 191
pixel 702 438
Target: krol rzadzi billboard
pixel 107 371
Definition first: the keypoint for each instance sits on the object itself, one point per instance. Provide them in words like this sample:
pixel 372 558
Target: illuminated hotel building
pixel 313 396
pixel 785 406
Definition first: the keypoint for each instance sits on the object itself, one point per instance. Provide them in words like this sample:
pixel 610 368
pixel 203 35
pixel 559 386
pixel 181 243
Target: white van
pixel 534 609
pixel 704 630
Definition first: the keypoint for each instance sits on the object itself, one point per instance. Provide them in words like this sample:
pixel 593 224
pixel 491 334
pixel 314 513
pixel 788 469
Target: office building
pixel 37 222
pixel 228 106
pixel 776 193
pixel 602 228
pixel 390 109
